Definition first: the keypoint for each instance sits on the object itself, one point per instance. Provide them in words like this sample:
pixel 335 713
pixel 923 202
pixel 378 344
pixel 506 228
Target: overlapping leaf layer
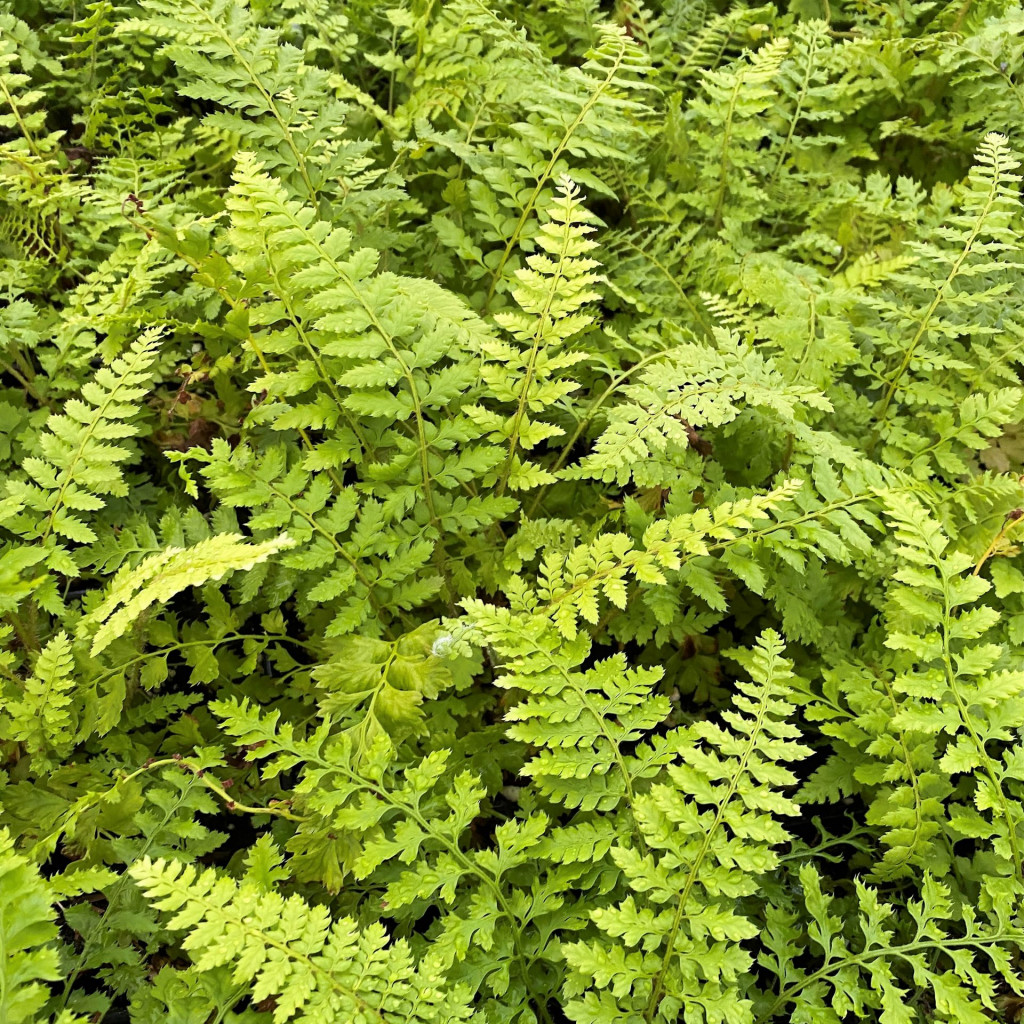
pixel 511 512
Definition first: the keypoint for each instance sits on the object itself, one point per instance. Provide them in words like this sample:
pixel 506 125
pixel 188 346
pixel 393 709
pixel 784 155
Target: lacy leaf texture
pixel 511 512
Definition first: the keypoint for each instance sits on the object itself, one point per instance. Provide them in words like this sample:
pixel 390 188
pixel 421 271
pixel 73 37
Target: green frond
pixel 420 425
pixel 580 720
pixel 161 576
pixel 936 303
pixel 272 99
pixel 379 687
pixel 313 968
pixel 691 388
pixel 39 714
pixel 725 131
pixel 706 833
pixel 27 934
pixel 552 292
pixel 79 458
pixel 864 959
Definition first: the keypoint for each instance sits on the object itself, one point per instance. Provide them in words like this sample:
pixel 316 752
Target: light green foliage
pixel 315 969
pixel 727 128
pixel 38 715
pixel 27 933
pixel 79 460
pixel 382 685
pixel 511 512
pixel 160 577
pixel 858 946
pixel 943 322
pixel 705 833
pixel 689 388
pixel 274 101
pixel 552 292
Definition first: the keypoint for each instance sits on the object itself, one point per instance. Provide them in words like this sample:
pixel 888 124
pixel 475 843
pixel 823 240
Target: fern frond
pixel 27 937
pixel 159 577
pixel 379 686
pixel 573 586
pixel 953 685
pixel 79 460
pixel 725 130
pixel 391 344
pixel 863 958
pixel 581 720
pixel 406 828
pixel 602 117
pixel 978 242
pixel 38 714
pixel 315 969
pixel 284 109
pixel 552 292
pixel 709 831
pixel 692 387
pixel 703 37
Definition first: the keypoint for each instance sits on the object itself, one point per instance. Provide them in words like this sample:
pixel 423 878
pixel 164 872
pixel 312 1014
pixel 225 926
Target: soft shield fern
pixel 511 512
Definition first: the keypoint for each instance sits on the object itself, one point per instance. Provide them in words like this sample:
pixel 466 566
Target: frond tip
pixel 161 576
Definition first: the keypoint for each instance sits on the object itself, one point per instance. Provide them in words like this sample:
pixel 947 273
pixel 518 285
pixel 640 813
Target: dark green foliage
pixel 511 512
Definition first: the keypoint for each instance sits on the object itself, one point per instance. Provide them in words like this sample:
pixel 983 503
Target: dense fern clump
pixel 511 512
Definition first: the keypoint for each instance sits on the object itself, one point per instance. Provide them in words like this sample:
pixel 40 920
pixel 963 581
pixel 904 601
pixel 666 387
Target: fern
pixel 382 686
pixel 274 97
pixel 79 458
pixel 726 130
pixel 39 716
pixel 980 64
pixel 510 512
pixel 27 931
pixel 702 37
pixel 976 243
pixel 578 720
pixel 690 388
pixel 552 293
pixel 361 820
pixel 167 822
pixel 708 832
pixel 812 98
pixel 314 968
pixel 160 577
pixel 874 972
pixel 595 109
pixel 974 691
